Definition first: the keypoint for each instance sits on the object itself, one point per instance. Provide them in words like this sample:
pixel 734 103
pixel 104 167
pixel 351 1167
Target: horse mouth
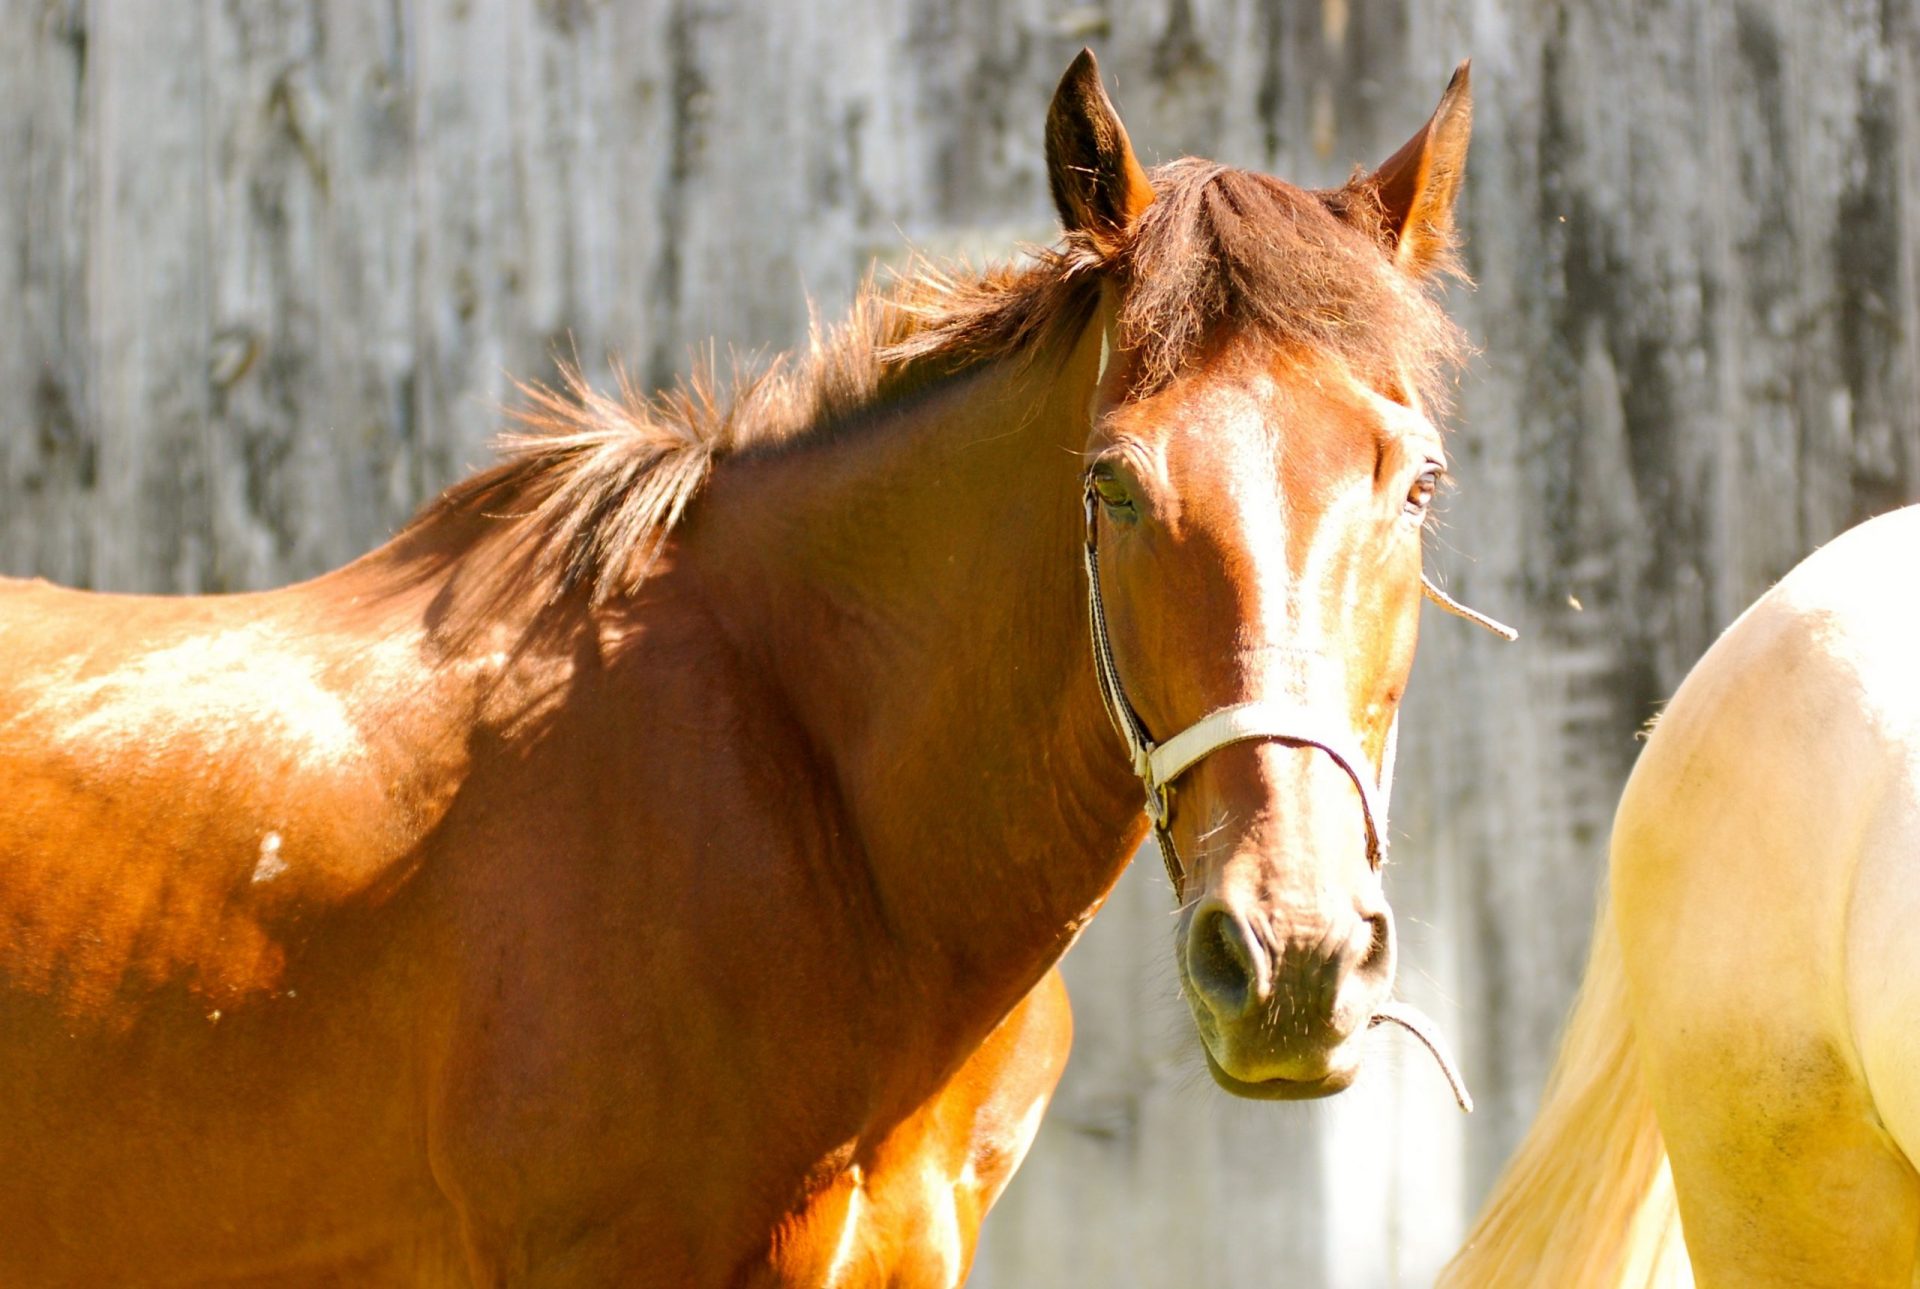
pixel 1332 1070
pixel 1407 1017
pixel 1282 1089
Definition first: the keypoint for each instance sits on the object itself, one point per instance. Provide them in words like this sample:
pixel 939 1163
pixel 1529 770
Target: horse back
pixel 188 779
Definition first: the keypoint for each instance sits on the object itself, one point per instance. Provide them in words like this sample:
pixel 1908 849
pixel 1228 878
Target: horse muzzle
pixel 1282 1000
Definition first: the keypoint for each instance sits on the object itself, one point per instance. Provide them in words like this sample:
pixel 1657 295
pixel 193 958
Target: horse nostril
pixel 1222 962
pixel 1379 956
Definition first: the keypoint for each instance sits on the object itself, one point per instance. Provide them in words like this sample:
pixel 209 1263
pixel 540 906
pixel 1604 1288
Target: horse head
pixel 1262 460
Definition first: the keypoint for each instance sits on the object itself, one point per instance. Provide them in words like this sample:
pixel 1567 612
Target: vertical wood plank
pixel 267 397
pixel 363 437
pixel 311 366
pixel 48 437
pixel 469 247
pixel 147 292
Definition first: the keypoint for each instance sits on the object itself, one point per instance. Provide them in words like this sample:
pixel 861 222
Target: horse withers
pixel 650 867
pixel 1744 1040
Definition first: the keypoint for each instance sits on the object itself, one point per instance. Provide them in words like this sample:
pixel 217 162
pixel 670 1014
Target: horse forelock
pixel 594 481
pixel 1226 248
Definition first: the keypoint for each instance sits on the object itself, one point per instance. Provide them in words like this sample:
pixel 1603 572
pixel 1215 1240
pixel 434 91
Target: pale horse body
pixel 1745 1039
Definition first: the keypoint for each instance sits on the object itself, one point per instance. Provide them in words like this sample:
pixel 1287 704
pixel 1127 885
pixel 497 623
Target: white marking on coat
pixel 271 865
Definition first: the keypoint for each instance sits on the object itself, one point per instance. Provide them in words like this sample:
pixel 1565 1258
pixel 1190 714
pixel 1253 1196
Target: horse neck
pixel 913 586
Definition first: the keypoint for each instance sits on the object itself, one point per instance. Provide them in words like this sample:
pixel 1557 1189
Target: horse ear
pixel 1416 186
pixel 1097 181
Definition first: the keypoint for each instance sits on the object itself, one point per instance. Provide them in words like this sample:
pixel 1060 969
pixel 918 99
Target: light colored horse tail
pixel 1587 1201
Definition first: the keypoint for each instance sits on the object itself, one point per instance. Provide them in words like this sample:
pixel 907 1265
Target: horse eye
pixel 1111 493
pixel 1420 496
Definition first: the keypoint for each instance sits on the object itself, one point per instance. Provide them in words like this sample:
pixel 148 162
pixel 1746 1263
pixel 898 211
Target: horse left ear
pixel 1416 186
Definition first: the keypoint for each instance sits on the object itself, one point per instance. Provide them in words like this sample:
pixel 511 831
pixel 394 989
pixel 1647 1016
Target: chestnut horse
pixel 1749 1006
pixel 650 867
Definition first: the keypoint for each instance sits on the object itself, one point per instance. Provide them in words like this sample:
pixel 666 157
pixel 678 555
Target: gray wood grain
pixel 267 266
pixel 49 452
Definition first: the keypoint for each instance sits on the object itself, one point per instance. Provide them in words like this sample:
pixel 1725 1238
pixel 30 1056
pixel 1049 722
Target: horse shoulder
pixel 658 1008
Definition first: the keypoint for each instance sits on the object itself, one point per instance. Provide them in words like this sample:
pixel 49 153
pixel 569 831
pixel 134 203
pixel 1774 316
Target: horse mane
pixel 595 481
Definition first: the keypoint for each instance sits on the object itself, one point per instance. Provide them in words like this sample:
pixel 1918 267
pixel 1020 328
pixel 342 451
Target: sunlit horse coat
pixel 1752 1007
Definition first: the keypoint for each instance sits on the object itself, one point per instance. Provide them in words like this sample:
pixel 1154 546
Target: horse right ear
pixel 1097 181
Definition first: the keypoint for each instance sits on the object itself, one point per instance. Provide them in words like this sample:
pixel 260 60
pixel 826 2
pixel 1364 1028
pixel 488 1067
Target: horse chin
pixel 1335 1080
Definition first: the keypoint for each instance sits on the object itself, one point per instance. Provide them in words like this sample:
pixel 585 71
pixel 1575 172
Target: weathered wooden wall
pixel 265 265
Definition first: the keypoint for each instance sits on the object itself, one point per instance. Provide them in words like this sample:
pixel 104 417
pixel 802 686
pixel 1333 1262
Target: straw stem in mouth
pixel 1418 1024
